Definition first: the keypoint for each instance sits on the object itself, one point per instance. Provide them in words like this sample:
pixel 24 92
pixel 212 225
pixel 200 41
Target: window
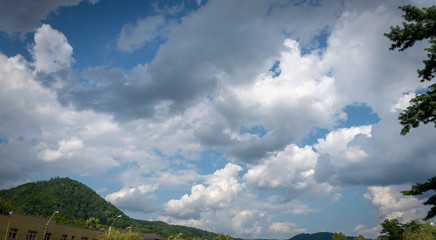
pixel 47 236
pixel 13 233
pixel 31 235
pixel 72 237
pixel 64 237
pixel 84 238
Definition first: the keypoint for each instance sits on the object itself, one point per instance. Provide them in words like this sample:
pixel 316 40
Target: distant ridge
pixel 316 236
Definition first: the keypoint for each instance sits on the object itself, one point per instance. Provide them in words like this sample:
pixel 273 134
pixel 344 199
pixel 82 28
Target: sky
pixel 258 119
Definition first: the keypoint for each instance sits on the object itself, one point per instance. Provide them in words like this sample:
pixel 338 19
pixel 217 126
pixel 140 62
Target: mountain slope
pixel 72 199
pixel 76 202
pixel 316 236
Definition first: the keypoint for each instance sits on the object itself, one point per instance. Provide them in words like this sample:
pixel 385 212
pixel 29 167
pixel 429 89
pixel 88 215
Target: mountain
pixel 316 236
pixel 72 199
pixel 76 203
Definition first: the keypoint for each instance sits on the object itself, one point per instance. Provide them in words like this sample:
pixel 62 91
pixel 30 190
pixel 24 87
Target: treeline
pixel 392 229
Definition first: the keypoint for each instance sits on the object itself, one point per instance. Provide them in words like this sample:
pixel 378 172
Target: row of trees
pixel 124 235
pixel 392 229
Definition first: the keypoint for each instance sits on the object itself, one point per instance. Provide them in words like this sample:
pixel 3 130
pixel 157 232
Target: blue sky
pixel 259 119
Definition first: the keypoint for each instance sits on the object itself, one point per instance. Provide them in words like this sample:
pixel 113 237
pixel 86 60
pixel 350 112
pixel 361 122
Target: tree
pixel 94 223
pixel 423 231
pixel 223 237
pixel 420 25
pixel 391 230
pixel 360 237
pixel 339 236
pixel 420 188
pixel 119 235
pixel 6 207
pixel 180 236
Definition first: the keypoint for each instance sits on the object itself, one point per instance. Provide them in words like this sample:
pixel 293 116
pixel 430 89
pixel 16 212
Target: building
pixel 20 226
pixel 150 236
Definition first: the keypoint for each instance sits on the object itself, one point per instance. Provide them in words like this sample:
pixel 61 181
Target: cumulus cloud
pixel 403 102
pixel 364 231
pixel 34 124
pixel 290 171
pixel 25 16
pixel 247 223
pixel 222 188
pixel 215 92
pixel 178 177
pixel 390 203
pixel 51 51
pixel 286 228
pixel 138 198
pixel 52 55
pixel 381 157
pixel 294 98
pixel 66 148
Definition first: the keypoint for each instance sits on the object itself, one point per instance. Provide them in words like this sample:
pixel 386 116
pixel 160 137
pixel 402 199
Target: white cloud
pixel 133 37
pixel 335 198
pixel 222 188
pixel 285 228
pixel 147 122
pixel 365 71
pixel 66 148
pixel 36 125
pixel 247 223
pixel 178 177
pixel 291 169
pixel 364 231
pixel 51 51
pixel 390 203
pixel 403 102
pixel 300 98
pixel 138 198
pixel 336 142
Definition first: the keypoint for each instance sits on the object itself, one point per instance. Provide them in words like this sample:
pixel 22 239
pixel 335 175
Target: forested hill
pixel 77 203
pixel 316 236
pixel 71 198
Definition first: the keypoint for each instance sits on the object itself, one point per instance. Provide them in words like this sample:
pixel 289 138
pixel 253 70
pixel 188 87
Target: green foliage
pixel 81 206
pixel 94 223
pixel 426 231
pixel 223 237
pixel 119 235
pixel 415 229
pixel 7 207
pixel 339 236
pixel 165 230
pixel 421 188
pixel 391 230
pixel 179 236
pixel 74 201
pixel 420 25
pixel 422 110
pixel 360 237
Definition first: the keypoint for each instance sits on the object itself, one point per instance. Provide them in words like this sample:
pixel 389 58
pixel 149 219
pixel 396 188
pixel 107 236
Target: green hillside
pixel 76 203
pixel 316 236
pixel 72 199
